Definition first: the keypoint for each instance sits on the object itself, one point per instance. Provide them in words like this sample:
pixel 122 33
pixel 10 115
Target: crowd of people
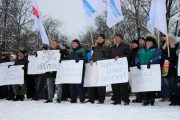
pixel 145 51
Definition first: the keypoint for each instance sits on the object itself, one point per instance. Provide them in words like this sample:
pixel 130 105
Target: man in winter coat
pixel 77 53
pixel 148 55
pixel 119 50
pixel 101 52
pixel 51 76
pixel 20 90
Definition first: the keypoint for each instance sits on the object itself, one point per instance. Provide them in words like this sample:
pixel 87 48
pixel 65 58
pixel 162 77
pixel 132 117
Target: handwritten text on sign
pixel 145 79
pixel 46 61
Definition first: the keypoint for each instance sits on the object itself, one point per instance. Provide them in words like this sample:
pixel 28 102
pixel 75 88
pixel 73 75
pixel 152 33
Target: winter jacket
pixel 133 55
pixel 78 53
pixel 101 52
pixel 122 50
pixel 150 55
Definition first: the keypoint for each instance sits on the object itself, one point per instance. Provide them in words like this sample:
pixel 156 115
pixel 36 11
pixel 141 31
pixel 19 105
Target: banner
pixel 12 76
pixel 38 22
pixel 114 13
pixel 157 16
pixel 92 9
pixel 145 79
pixel 69 72
pixel 106 72
pixel 47 61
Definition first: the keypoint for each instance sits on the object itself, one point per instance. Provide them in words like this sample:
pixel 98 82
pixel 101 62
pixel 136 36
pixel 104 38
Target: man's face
pixel 74 45
pixel 54 44
pixel 21 55
pixel 117 40
pixel 100 40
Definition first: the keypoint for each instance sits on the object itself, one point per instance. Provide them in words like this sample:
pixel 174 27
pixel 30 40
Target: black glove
pixel 59 61
pixel 77 60
pixel 148 65
pixel 36 54
pixel 9 66
pixel 138 66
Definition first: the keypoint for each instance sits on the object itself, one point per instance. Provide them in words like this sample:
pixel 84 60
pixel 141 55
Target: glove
pixel 59 61
pixel 77 60
pixel 138 66
pixel 9 66
pixel 149 65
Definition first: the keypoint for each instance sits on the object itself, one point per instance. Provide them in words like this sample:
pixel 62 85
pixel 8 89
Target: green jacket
pixel 148 55
pixel 78 53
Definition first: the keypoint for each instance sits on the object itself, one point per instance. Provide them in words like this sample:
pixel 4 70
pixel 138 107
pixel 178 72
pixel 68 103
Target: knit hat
pixel 23 51
pixel 119 35
pixel 102 35
pixel 135 41
pixel 77 41
pixel 152 38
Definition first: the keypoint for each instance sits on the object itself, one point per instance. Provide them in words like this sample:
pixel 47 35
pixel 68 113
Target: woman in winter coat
pixel 148 55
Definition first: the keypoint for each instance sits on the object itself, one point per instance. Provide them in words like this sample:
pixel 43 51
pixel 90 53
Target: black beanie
pixel 77 41
pixel 135 41
pixel 119 35
pixel 102 35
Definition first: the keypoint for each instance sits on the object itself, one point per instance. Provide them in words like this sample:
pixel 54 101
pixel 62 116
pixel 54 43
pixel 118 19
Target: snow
pixel 37 110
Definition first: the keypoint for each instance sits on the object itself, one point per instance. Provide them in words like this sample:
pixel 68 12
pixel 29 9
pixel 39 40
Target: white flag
pixel 157 16
pixel 114 13
pixel 38 23
pixel 93 8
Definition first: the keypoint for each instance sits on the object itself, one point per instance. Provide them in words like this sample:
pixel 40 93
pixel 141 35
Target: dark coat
pixel 122 50
pixel 173 59
pixel 101 52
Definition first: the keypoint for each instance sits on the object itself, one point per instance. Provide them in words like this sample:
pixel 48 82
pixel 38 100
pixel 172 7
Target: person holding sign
pixel 77 53
pixel 51 79
pixel 119 50
pixel 20 90
pixel 101 52
pixel 148 55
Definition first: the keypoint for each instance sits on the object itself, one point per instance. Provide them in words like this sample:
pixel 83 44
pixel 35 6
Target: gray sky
pixel 69 11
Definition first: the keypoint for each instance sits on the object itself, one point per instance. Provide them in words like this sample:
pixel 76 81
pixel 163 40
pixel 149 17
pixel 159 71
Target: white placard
pixel 69 72
pixel 46 61
pixel 33 66
pixel 112 72
pixel 106 72
pixel 145 79
pixel 91 76
pixel 12 75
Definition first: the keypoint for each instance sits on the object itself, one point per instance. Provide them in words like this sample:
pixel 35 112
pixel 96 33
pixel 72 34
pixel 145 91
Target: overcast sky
pixel 69 11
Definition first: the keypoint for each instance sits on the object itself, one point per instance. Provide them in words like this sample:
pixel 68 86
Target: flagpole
pixel 47 31
pixel 168 46
pixel 158 39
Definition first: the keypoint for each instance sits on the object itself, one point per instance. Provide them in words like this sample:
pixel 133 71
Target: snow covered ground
pixel 37 110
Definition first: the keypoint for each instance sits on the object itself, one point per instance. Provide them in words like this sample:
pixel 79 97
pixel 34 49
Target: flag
pixel 114 13
pixel 38 23
pixel 157 16
pixel 93 8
